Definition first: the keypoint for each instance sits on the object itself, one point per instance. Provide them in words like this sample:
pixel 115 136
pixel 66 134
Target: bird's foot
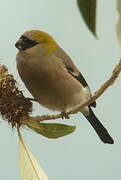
pixel 31 99
pixel 64 115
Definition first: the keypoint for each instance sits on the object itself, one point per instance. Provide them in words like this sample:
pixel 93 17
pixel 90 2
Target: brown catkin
pixel 13 104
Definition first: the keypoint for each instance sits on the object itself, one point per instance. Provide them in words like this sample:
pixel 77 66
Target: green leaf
pixel 88 11
pixel 50 130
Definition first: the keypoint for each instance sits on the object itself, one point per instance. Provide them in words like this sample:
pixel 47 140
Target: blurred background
pixel 80 155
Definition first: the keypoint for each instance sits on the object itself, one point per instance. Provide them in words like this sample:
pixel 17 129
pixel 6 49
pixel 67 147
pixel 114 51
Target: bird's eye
pixel 25 39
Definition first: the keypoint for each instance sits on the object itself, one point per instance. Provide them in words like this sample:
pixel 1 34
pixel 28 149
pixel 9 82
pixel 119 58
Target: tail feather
pixel 99 128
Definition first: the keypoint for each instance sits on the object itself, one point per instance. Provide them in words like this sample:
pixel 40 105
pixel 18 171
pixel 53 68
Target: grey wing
pixel 72 69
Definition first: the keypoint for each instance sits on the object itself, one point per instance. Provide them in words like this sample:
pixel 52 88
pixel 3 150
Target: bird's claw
pixel 31 99
pixel 65 115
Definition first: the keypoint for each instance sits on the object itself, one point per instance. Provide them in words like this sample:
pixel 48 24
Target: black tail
pixel 99 128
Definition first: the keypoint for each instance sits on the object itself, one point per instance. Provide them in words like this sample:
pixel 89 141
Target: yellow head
pixel 33 37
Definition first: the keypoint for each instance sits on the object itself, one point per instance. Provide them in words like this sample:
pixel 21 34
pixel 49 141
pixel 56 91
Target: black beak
pixel 19 44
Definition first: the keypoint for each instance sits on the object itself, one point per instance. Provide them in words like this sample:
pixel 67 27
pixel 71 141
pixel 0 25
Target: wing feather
pixel 72 69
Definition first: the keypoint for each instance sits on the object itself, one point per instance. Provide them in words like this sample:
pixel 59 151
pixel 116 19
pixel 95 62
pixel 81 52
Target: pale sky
pixel 80 155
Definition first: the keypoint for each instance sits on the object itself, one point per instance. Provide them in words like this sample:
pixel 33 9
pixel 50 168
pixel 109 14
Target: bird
pixel 53 79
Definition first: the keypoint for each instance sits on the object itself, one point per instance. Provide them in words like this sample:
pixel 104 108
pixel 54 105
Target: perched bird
pixel 53 79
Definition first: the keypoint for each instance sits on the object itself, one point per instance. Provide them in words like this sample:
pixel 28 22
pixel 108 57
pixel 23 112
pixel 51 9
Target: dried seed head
pixel 13 104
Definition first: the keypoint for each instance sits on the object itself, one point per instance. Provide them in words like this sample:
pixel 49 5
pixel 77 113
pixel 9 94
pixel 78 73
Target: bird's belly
pixel 56 98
